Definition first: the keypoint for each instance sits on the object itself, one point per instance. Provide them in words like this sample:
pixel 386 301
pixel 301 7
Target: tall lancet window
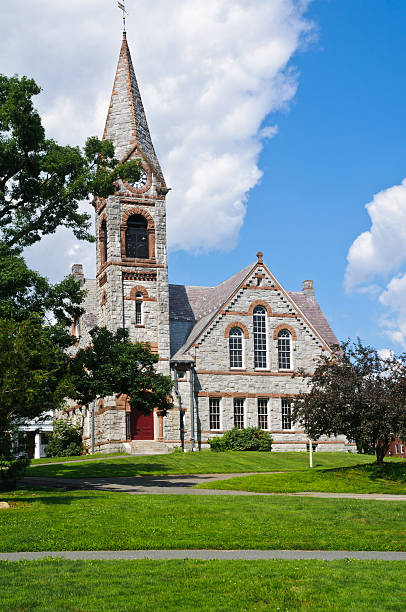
pixel 103 241
pixel 235 346
pixel 136 237
pixel 284 350
pixel 259 321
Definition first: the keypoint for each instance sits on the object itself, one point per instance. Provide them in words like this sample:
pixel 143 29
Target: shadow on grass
pixel 139 484
pixel 95 469
pixel 396 472
pixel 48 500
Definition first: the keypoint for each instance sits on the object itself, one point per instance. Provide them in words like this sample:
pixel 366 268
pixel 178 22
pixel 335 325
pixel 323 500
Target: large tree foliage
pixel 358 394
pixel 33 380
pixel 24 291
pixel 42 182
pixel 112 364
pixel 33 372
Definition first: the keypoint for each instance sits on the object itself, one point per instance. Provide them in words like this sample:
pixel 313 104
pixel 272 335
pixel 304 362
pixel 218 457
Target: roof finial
pixel 121 6
pixel 260 256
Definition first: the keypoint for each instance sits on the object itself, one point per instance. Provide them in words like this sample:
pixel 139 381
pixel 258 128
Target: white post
pixel 310 453
pixel 37 451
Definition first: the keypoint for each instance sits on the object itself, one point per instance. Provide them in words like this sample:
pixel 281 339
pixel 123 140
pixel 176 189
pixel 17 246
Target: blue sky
pixel 341 141
pixel 327 76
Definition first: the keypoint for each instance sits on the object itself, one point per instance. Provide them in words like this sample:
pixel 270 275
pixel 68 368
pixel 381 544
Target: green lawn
pixel 90 520
pixel 202 585
pixel 390 478
pixel 206 462
pixel 78 458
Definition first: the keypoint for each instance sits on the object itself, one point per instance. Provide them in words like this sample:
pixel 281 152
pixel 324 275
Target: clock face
pixel 142 181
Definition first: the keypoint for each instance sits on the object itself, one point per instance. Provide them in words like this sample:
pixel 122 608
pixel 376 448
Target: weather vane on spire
pixel 121 6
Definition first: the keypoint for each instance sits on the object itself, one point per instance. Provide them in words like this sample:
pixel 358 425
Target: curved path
pixel 181 485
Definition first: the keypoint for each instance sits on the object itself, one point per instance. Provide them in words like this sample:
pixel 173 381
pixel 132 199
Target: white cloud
pixel 380 252
pixel 385 354
pixel 382 249
pixel 394 300
pixel 210 74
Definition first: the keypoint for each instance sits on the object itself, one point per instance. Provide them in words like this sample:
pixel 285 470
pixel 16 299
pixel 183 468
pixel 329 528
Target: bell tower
pixel 132 272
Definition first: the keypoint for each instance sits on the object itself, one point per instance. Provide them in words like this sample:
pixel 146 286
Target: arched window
pixel 259 320
pixel 103 241
pixel 235 343
pixel 284 348
pixel 136 238
pixel 138 308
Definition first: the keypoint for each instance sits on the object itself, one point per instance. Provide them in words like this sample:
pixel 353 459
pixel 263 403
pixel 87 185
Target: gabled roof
pixel 198 306
pixel 312 311
pixel 193 303
pixel 126 123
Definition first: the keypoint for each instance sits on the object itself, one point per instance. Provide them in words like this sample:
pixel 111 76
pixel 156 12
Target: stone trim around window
pixel 241 326
pixel 282 327
pixel 260 303
pixel 137 210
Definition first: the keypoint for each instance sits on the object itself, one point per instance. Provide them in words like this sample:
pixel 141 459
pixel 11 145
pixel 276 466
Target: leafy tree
pixel 42 182
pixel 357 394
pixel 65 440
pixel 112 364
pixel 33 380
pixel 32 371
pixel 24 291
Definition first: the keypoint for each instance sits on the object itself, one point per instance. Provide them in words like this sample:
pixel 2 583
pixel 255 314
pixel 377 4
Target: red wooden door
pixel 141 425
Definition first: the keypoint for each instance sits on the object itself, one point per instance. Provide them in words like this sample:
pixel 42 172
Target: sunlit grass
pixel 90 520
pixel 202 585
pixel 206 462
pixel 389 478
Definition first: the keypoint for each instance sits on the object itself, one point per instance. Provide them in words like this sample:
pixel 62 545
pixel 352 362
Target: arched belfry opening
pixel 136 238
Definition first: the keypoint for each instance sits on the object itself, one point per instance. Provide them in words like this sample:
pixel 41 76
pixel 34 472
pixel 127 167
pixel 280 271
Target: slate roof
pixel 196 306
pixel 312 311
pixel 191 309
pixel 188 303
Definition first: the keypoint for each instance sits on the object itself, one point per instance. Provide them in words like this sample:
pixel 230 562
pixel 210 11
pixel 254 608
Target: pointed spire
pixel 126 123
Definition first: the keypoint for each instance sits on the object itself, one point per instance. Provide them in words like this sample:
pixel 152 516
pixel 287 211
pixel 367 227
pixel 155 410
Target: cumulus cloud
pixel 380 253
pixel 382 249
pixel 385 354
pixel 393 298
pixel 210 74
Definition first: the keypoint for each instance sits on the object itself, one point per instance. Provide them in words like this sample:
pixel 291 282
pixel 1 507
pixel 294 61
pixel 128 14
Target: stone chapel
pixel 232 350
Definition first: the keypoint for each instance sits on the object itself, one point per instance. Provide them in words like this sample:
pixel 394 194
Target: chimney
pixel 77 272
pixel 307 288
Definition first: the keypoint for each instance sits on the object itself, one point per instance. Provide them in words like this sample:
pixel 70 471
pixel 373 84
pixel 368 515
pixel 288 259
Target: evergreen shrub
pixel 65 440
pixel 11 471
pixel 12 468
pixel 249 439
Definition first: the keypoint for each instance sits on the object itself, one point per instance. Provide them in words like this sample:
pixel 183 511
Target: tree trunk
pixel 381 448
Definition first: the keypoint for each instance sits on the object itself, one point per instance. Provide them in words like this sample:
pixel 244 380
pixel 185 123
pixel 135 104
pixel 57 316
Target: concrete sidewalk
pixel 182 485
pixel 245 555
